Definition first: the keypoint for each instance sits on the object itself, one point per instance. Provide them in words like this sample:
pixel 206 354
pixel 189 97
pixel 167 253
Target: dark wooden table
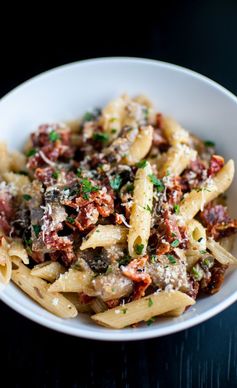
pixel 201 36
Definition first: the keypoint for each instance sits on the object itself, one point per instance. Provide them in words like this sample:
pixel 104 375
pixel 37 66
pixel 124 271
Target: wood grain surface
pixel 204 356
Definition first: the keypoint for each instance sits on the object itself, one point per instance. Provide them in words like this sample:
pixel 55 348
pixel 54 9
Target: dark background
pixel 200 35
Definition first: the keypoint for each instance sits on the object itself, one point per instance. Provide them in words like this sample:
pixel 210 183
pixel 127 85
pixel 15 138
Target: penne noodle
pixel 5 262
pixel 21 182
pixel 37 289
pixel 197 199
pixel 16 249
pixel 177 159
pixel 5 158
pixel 113 116
pixel 49 270
pixel 72 281
pixel 105 236
pixel 140 219
pixel 81 307
pixel 98 305
pixel 196 242
pixel 143 309
pixel 220 253
pixel 175 313
pixel 140 147
pixel 174 132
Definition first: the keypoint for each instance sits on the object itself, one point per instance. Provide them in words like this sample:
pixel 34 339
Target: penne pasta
pixel 49 270
pixel 196 199
pixel 17 161
pixel 72 281
pixel 143 309
pixel 140 147
pixel 37 289
pixel 175 313
pixel 75 300
pixel 5 158
pixel 21 182
pixel 16 249
pixel 196 242
pixel 220 253
pixel 5 262
pixel 140 219
pixel 174 132
pixel 113 116
pixel 177 159
pixel 105 236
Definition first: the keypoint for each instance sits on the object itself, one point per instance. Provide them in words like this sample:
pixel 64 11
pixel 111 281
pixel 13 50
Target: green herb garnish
pixel 139 248
pixel 102 137
pixel 150 321
pixel 175 243
pixel 148 208
pixel 71 220
pixel 79 172
pixel 27 197
pixel 196 275
pixel 171 259
pixel 88 116
pixel 157 182
pixel 54 136
pixel 153 258
pixel 209 143
pixel 55 174
pixel 37 230
pixel 115 182
pixel 86 188
pixel 31 152
pixel 203 252
pixel 150 302
pixel 176 209
pixel 141 164
pixel 130 188
pixel 113 130
pixel 125 260
pixel 124 310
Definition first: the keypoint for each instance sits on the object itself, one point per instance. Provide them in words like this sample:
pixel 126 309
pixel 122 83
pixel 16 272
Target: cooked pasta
pixel 119 215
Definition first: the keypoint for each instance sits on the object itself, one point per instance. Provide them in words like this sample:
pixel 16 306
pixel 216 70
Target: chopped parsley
pixel 54 136
pixel 79 172
pixel 112 119
pixel 130 188
pixel 115 182
pixel 71 220
pixel 125 260
pixel 31 152
pixel 37 230
pixel 146 113
pixel 22 172
pixel 148 208
pixel 113 130
pixel 124 310
pixel 209 143
pixel 176 209
pixel 203 252
pixel 102 137
pixel 86 188
pixel 139 248
pixel 173 234
pixel 28 241
pixel 109 270
pixel 88 116
pixel 27 197
pixel 157 182
pixel 150 302
pixel 196 275
pixel 150 321
pixel 55 174
pixel 175 243
pixel 141 164
pixel 171 259
pixel 153 258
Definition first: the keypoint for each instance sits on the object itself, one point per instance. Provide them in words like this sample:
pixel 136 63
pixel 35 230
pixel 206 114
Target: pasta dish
pixel 121 215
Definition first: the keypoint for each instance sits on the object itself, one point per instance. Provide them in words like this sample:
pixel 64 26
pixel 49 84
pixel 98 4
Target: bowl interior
pixel 199 104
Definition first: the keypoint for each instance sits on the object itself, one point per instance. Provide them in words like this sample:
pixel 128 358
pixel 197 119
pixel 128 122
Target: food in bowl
pixel 121 214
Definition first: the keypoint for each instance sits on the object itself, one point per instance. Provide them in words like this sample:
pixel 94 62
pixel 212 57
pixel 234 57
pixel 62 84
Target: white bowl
pixel 65 93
